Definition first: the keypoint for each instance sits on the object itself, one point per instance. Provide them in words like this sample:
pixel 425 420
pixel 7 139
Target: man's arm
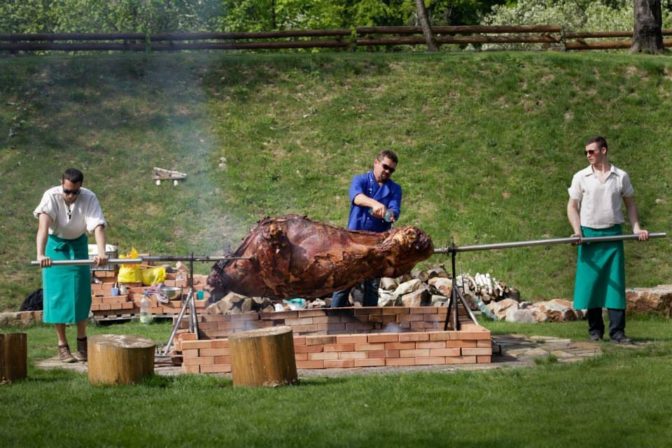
pixel 634 218
pixel 377 209
pixel 101 242
pixel 574 216
pixel 44 221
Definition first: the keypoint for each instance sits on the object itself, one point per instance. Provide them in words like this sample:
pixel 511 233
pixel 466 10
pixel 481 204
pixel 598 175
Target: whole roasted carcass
pixel 293 256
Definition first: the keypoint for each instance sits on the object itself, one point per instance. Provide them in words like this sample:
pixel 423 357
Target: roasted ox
pixel 293 256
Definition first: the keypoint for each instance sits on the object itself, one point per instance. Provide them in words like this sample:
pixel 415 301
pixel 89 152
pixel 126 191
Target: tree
pixel 424 24
pixel 648 33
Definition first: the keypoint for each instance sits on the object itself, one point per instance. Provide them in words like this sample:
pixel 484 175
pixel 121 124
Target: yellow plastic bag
pixel 152 276
pixel 130 273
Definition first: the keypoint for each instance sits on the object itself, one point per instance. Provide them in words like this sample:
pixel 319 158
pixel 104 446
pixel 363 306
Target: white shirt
pixel 600 204
pixel 71 222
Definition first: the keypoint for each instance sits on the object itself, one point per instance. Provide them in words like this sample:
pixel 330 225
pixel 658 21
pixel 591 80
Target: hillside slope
pixel 488 143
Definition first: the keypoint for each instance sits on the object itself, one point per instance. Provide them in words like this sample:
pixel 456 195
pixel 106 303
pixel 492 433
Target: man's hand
pixel 378 210
pixel 100 260
pixel 45 261
pixel 577 235
pixel 643 234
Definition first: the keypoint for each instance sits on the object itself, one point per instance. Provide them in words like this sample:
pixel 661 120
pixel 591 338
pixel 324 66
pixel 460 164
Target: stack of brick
pixel 471 345
pixel 106 305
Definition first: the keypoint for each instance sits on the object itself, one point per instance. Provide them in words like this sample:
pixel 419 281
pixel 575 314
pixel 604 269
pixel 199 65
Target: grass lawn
pixel 620 399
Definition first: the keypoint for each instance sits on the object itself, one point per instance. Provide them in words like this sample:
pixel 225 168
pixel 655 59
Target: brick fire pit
pixel 344 338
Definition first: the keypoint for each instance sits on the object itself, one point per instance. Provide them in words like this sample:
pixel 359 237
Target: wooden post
pixel 120 359
pixel 263 357
pixel 13 356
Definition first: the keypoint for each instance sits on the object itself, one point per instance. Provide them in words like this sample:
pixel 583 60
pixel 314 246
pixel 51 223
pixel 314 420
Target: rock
pixel 420 274
pixel 437 271
pixel 520 316
pixel 419 297
pixel 404 278
pixel 386 298
pixel 442 285
pixel 388 283
pixel 438 300
pixel 499 309
pixel 261 303
pixel 556 310
pixel 650 300
pixel 408 287
pixel 317 303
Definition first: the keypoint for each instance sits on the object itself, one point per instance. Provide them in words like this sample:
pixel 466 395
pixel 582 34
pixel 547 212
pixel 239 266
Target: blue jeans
pixel 340 298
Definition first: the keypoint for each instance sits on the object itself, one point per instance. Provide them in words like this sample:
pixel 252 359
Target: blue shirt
pixel 388 194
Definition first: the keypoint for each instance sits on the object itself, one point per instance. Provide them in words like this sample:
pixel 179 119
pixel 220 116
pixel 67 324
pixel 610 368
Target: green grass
pixel 620 399
pixel 488 143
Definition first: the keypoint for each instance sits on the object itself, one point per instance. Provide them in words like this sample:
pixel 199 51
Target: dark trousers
pixel 340 298
pixel 616 322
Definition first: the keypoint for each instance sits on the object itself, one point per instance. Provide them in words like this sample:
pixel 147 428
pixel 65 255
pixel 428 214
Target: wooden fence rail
pixel 549 36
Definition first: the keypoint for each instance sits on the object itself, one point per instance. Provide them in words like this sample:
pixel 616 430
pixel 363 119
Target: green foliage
pixel 573 15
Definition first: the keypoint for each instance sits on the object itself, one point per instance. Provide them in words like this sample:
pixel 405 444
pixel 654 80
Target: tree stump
pixel 13 356
pixel 119 359
pixel 263 357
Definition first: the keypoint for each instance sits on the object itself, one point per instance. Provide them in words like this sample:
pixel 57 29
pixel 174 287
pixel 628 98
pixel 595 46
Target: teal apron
pixel 600 272
pixel 67 289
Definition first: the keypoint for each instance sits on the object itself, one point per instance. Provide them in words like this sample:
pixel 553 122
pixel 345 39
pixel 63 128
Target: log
pixel 263 357
pixel 13 357
pixel 120 359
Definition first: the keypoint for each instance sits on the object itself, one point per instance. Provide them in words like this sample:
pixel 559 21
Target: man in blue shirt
pixel 375 203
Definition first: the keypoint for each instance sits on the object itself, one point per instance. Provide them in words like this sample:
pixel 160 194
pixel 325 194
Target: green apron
pixel 67 289
pixel 600 272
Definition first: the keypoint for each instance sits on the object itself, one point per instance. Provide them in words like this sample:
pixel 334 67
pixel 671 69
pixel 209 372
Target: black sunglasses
pixel 75 192
pixel 387 167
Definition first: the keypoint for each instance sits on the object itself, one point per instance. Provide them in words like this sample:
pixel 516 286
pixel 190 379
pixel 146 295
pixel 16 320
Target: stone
pixel 420 274
pixel 500 308
pixel 650 300
pixel 419 297
pixel 520 316
pixel 408 287
pixel 442 285
pixel 437 271
pixel 386 298
pixel 388 283
pixel 438 300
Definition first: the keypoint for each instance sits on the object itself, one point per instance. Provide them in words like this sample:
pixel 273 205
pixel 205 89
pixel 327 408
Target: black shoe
pixel 621 339
pixel 595 337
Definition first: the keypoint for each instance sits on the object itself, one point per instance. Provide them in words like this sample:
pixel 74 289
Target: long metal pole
pixel 545 242
pixel 140 260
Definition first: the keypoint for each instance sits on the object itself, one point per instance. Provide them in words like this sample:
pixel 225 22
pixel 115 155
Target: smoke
pixel 392 328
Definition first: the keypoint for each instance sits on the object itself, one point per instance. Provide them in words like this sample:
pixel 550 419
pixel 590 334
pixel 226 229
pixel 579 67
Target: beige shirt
pixel 71 222
pixel 600 204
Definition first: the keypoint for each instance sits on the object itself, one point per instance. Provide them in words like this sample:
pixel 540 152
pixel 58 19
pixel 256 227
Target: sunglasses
pixel 387 167
pixel 590 152
pixel 74 192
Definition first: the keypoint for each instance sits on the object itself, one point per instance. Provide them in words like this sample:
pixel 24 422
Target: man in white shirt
pixel 65 214
pixel 594 209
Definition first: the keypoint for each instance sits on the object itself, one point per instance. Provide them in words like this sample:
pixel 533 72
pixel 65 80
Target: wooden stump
pixel 120 359
pixel 13 356
pixel 263 357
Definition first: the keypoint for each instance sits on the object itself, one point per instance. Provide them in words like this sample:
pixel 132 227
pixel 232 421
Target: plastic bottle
pixel 388 215
pixel 145 316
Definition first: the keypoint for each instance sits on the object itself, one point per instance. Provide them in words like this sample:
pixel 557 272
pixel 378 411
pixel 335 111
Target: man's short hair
pixel 601 142
pixel 389 154
pixel 73 175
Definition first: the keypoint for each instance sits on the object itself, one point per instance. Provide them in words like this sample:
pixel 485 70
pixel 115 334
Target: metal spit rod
pixel 140 260
pixel 544 242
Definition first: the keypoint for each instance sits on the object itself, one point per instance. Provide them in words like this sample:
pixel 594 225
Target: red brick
pixel 413 337
pixel 385 337
pixel 318 364
pixel 351 339
pixel 321 340
pixel 201 360
pixel 414 353
pixel 370 362
pixel 316 356
pixel 484 343
pixel 220 343
pixel 444 352
pixel 339 363
pixel 423 310
pixel 224 359
pixel 197 344
pixel 395 310
pixel 375 354
pixel 299 321
pixel 461 360
pixel 191 369
pixel 308 348
pixel 440 336
pixel 299 340
pixel 214 351
pixel 437 344
pixel 429 360
pixel 368 347
pixel 340 347
pixel 301 356
pixel 400 361
pixel 216 368
pixel 400 345
pixel 191 353
pixel 477 351
pixel 351 355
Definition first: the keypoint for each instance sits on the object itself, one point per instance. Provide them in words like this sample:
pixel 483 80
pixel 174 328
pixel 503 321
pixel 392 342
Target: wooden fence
pixel 543 36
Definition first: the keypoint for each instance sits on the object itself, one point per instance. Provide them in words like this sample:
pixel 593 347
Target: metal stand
pixel 455 297
pixel 188 303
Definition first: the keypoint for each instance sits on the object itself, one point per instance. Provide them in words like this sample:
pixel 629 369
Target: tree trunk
pixel 648 35
pixel 119 359
pixel 424 24
pixel 13 356
pixel 263 357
